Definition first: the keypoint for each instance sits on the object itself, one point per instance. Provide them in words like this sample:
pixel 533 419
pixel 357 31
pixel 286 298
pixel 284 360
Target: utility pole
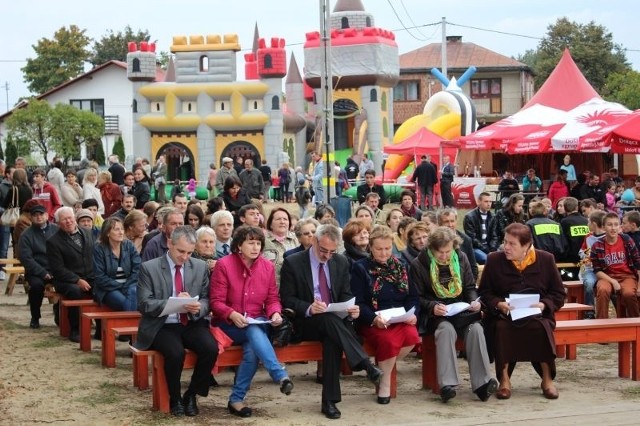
pixel 444 49
pixel 326 82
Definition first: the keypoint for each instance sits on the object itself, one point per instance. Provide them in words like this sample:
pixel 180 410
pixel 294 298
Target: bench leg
pixel 85 334
pixel 560 351
pixel 394 381
pixel 10 284
pixel 429 364
pixel 108 346
pixel 635 361
pixel 160 388
pixel 141 372
pixel 624 359
pixel 572 352
pixel 65 327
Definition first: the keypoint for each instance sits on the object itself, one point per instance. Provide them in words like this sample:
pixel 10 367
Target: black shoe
pixel 34 323
pixel 374 374
pixel 384 400
pixel 190 405
pixel 447 393
pixel 286 386
pixel 485 391
pixel 243 412
pixel 319 379
pixel 330 410
pixel 590 315
pixel 74 336
pixel 124 338
pixel 177 409
pixel 213 383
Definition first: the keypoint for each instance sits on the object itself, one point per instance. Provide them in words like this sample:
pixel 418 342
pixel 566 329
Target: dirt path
pixel 45 379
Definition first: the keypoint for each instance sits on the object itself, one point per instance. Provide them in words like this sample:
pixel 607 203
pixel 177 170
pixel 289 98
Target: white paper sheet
pixel 522 305
pixel 396 315
pixel 340 308
pixel 257 321
pixel 456 308
pixel 175 305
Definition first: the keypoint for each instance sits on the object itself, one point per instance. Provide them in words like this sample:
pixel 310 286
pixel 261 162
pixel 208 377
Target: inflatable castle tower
pixel 365 67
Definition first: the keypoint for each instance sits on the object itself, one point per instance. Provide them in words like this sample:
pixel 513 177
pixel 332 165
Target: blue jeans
pixel 118 301
pixel 256 347
pixel 5 237
pixel 589 281
pixel 481 257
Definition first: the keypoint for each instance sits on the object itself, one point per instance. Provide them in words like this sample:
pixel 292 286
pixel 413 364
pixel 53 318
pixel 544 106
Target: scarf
pixel 529 259
pixel 400 245
pixel 410 212
pixel 391 272
pixel 454 287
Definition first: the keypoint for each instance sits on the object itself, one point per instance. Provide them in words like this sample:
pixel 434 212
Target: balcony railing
pixel 111 124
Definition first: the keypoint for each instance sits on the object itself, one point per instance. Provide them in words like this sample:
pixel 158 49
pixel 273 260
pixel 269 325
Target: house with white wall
pixel 106 91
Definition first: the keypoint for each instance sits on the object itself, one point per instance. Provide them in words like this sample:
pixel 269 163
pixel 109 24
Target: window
pixel 94 105
pixel 407 91
pixel 368 21
pixel 189 107
pixel 373 95
pixel 254 105
pixel 344 22
pixel 488 88
pixel 136 65
pixel 268 62
pixel 134 106
pixel 204 64
pixel 221 106
pixel 157 106
pixel 275 103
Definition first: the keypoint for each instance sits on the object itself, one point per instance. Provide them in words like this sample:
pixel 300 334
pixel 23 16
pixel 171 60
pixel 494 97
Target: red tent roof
pixel 422 142
pixel 565 88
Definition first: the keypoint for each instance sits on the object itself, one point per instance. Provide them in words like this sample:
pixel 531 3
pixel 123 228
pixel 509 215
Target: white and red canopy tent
pixel 565 109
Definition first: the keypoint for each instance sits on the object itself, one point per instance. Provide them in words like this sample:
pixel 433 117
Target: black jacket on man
pixel 472 225
pixel 425 174
pixel 364 189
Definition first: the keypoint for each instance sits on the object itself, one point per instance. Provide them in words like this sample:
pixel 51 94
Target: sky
pixel 509 27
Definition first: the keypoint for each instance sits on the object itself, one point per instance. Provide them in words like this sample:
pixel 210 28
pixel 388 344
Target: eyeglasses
pixel 325 251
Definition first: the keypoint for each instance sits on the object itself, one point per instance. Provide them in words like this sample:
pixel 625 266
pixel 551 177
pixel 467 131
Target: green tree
pixel 1 153
pixel 118 149
pixel 57 60
pixel 591 47
pixel 34 124
pixel 113 46
pixel 100 157
pixel 624 89
pixel 12 151
pixel 73 127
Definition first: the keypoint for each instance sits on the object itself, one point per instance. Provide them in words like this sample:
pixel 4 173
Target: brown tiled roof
pixel 459 55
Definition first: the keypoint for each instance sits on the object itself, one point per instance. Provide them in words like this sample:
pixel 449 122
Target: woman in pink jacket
pixel 559 189
pixel 243 289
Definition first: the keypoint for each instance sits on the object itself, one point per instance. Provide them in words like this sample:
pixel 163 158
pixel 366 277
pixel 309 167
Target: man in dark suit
pixel 310 280
pixel 370 185
pixel 69 252
pixel 176 274
pixel 426 177
pixel 449 217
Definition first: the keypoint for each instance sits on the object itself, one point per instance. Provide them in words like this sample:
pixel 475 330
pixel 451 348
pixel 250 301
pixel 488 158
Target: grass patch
pixel 631 393
pixel 107 393
pixel 89 361
pixel 48 342
pixel 10 325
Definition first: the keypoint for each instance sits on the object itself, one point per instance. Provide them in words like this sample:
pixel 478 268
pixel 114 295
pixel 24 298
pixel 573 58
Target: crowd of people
pixel 246 274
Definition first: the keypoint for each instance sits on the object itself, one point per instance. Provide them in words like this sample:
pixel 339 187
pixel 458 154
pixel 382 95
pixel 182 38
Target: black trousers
pixel 73 292
pixel 36 295
pixel 336 339
pixel 171 341
pixel 446 194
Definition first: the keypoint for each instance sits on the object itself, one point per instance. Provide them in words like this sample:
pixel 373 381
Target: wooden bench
pixel 624 331
pixel 83 305
pixel 575 291
pixel 109 318
pixel 231 357
pixel 10 261
pixel 112 328
pixel 14 272
pixel 570 311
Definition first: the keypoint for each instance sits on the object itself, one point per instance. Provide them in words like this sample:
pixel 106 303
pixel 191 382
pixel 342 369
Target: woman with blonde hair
pixel 135 228
pixel 90 190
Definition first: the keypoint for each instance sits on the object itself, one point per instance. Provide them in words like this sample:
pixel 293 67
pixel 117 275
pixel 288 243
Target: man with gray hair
pixel 176 274
pixel 225 171
pixel 116 169
pixel 69 252
pixel 311 280
pixel 222 224
pixel 158 246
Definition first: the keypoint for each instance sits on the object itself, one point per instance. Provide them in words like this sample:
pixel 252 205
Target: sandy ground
pixel 46 379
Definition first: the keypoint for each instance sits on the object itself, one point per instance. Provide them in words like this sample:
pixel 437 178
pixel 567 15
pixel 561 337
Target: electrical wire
pixel 402 23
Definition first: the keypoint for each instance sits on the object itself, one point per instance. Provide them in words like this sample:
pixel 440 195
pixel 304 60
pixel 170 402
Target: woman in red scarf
pixel 408 204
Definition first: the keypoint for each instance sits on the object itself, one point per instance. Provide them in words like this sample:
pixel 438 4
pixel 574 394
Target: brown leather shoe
pixel 550 393
pixel 503 393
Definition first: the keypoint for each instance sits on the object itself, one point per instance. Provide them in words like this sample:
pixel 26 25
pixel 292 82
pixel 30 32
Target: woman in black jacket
pixel 141 188
pixel 234 197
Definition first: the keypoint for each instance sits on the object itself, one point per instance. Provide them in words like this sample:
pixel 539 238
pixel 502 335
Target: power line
pixel 402 23
pixel 495 31
pixel 413 23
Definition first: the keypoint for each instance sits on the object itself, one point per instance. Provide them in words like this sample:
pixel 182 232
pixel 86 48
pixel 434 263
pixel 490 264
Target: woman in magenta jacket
pixel 243 288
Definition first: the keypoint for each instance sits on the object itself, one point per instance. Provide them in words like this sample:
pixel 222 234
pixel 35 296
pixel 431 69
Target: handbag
pixel 10 216
pixel 281 335
pixel 464 319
